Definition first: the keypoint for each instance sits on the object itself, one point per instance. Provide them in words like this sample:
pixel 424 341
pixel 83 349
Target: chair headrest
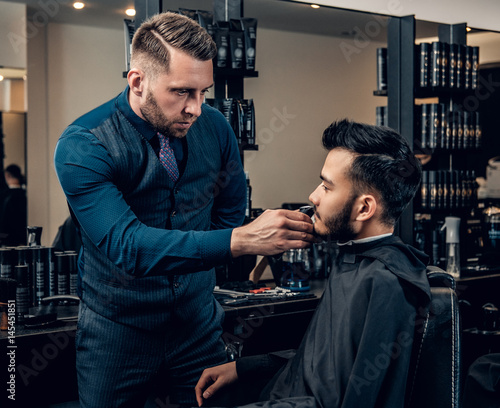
pixel 439 278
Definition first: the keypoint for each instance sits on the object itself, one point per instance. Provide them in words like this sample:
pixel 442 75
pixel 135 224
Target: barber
pixel 153 227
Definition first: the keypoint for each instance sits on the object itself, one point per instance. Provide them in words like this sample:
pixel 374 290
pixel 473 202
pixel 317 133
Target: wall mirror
pixel 315 65
pixel 13 116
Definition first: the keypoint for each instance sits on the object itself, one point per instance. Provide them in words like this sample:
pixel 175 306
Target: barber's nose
pixel 193 106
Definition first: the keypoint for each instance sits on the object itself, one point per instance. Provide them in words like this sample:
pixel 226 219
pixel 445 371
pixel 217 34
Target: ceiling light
pixel 78 5
pixel 130 12
pixel 1 77
pixel 314 6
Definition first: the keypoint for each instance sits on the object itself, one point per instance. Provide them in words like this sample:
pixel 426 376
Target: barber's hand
pixel 273 232
pixel 214 378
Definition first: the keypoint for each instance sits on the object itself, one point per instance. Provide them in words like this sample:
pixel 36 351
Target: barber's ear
pixel 136 81
pixel 365 206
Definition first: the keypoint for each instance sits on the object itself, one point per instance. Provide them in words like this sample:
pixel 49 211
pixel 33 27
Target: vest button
pixel 176 191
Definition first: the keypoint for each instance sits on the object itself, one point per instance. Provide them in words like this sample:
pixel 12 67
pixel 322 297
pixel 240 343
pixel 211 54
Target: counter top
pixel 67 314
pixel 67 319
pixel 473 272
pixel 282 306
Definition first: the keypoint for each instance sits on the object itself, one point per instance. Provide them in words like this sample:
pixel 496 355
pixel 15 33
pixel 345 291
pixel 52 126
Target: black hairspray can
pixel 22 292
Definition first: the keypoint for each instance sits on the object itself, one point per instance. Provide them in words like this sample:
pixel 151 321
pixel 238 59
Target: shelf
pixel 249 147
pixel 433 92
pixel 438 92
pixel 226 72
pixel 380 92
pixel 235 73
pixel 472 274
pixel 443 150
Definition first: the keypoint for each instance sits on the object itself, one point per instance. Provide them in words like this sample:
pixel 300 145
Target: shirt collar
pixel 140 125
pixel 364 240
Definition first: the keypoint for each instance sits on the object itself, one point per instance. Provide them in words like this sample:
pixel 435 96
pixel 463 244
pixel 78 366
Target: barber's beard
pixel 156 118
pixel 339 226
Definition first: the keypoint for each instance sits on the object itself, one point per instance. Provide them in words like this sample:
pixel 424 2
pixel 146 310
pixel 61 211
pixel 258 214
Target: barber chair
pixel 434 376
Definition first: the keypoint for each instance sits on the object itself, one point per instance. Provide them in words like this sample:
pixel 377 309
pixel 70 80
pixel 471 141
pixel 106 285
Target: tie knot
pixel 164 140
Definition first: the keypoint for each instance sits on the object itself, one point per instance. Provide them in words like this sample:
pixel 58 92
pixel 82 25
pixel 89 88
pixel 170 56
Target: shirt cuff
pixel 216 245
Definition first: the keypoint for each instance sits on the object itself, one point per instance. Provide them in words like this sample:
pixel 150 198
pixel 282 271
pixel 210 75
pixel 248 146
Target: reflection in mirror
pixel 315 66
pixel 12 156
pixel 13 116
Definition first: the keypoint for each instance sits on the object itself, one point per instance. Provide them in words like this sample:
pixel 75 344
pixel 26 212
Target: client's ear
pixel 365 207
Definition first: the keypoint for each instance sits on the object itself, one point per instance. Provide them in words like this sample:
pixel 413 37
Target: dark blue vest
pixel 149 302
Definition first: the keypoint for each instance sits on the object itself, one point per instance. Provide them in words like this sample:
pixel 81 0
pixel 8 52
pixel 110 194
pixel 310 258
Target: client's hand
pixel 215 378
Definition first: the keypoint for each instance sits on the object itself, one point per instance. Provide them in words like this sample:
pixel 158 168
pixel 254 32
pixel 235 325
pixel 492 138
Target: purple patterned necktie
pixel 167 157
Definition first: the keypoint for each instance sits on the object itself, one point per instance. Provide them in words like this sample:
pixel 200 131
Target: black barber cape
pixel 356 350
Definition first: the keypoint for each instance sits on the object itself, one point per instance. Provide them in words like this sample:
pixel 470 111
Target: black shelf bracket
pixel 145 9
pixel 400 92
pixel 453 33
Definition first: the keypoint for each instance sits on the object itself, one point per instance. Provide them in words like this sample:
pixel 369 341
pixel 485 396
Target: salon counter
pixel 45 365
pixel 45 356
pixel 271 326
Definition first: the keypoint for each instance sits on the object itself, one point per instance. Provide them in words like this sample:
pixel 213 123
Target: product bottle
pixel 51 277
pixel 424 192
pixel 432 190
pixel 458 190
pixel 300 268
pixel 451 191
pixel 62 272
pixel 73 271
pixel 452 225
pixel 446 190
pixel 34 235
pixel 287 268
pixel 6 256
pixel 39 275
pixel 22 292
pixel 248 210
pixel 439 189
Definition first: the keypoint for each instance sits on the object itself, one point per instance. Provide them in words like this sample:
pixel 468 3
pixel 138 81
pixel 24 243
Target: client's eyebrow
pixel 325 179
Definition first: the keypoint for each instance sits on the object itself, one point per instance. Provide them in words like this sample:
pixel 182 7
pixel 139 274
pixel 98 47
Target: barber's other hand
pixel 273 232
pixel 214 378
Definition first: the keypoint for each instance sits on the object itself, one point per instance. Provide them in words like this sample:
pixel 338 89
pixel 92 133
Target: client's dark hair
pixel 383 164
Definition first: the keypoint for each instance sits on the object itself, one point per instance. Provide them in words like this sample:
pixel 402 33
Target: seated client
pixel 356 350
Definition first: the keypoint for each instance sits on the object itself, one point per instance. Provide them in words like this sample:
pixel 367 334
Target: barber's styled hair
pixel 383 163
pixel 152 38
